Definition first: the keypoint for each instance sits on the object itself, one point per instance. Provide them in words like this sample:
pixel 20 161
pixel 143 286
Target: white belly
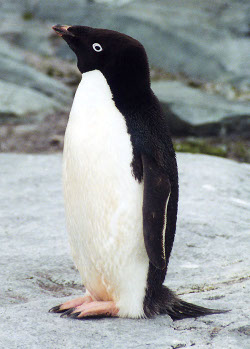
pixel 103 200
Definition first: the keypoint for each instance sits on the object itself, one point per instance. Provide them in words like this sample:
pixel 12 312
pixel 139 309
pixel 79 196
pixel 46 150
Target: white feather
pixel 103 201
pixel 164 227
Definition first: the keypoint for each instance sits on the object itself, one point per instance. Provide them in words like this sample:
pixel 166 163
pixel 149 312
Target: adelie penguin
pixel 120 183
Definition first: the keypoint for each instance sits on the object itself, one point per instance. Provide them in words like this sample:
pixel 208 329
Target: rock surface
pixel 196 42
pixel 195 38
pixel 18 101
pixel 26 91
pixel 202 112
pixel 209 264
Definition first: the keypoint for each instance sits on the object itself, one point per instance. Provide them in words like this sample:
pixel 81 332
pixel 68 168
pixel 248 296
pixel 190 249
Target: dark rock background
pixel 198 52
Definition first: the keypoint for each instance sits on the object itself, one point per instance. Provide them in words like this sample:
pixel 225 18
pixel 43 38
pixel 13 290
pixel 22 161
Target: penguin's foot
pixel 92 309
pixel 61 308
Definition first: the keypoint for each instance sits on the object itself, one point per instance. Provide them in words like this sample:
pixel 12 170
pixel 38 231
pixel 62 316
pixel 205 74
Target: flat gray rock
pixel 200 42
pixel 20 73
pixel 18 101
pixel 26 91
pixel 209 265
pixel 204 112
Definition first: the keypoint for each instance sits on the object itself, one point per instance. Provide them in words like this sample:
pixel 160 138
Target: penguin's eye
pixel 97 47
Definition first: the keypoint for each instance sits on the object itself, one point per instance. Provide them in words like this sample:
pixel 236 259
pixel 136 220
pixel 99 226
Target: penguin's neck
pixel 129 92
pixel 92 92
pixel 128 96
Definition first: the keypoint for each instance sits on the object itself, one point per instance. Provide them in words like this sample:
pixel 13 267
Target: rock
pixel 24 90
pixel 201 113
pixel 23 75
pixel 201 40
pixel 43 136
pixel 31 35
pixel 209 265
pixel 192 37
pixel 17 101
pixel 200 44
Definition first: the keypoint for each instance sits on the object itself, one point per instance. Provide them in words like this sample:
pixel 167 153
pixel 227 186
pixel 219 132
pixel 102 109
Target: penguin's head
pixel 119 57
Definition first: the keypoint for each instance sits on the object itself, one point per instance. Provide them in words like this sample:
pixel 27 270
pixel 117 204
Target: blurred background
pixel 199 57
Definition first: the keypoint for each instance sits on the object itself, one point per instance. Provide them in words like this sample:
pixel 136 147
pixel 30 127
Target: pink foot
pixel 61 308
pixel 93 308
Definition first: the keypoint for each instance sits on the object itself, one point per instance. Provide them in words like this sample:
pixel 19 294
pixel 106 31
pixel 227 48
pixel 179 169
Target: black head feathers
pixel 120 58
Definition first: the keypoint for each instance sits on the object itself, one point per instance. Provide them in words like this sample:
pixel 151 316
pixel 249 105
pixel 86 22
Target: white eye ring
pixel 97 47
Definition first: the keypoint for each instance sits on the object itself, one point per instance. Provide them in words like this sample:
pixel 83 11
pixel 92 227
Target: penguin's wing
pixel 156 194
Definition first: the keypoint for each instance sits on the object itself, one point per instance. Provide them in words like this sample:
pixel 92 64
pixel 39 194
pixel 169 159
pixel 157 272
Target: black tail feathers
pixel 181 310
pixel 168 303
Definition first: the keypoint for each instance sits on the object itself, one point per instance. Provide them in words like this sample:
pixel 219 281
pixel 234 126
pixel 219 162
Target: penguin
pixel 120 183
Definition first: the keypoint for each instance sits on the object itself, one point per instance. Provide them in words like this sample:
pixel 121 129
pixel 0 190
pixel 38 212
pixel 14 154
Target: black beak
pixel 62 30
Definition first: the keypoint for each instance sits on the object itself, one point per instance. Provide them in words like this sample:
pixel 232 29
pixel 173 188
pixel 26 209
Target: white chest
pixel 96 133
pixel 102 199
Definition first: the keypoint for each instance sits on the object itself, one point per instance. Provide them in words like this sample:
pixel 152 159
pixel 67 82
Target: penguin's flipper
pixel 156 194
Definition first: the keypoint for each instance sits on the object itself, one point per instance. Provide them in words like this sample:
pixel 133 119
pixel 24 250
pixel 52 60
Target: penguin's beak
pixel 62 30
